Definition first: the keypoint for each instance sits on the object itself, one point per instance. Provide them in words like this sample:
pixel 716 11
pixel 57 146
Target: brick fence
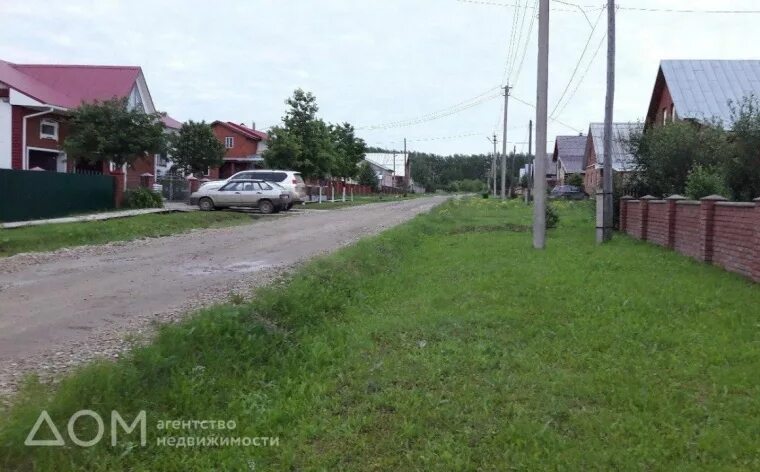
pixel 712 229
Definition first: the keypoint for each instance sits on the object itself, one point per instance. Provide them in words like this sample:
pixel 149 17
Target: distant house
pixel 35 100
pixel 569 156
pixel 243 145
pixel 389 168
pixel 701 90
pixel 622 159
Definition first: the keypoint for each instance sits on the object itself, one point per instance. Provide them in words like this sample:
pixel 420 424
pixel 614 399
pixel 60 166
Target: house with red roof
pixel 36 98
pixel 243 146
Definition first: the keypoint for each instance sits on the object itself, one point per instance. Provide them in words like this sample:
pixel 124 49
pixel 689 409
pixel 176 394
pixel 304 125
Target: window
pixel 232 187
pixel 49 129
pixel 665 115
pixel 229 142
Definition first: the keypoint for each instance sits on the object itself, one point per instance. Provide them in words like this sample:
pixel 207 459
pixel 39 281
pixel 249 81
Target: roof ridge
pixel 80 66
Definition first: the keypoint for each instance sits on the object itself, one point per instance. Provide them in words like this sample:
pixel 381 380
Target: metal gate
pixel 174 187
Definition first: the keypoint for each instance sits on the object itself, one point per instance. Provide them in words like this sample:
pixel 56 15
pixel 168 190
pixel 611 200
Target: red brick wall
pixel 633 221
pixel 733 246
pixel 243 146
pixel 724 233
pixel 657 225
pixel 139 167
pixel 32 133
pixel 687 229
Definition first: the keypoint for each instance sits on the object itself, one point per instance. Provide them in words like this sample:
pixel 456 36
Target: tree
pixel 349 151
pixel 664 155
pixel 367 175
pixel 575 180
pixel 110 131
pixel 741 166
pixel 195 148
pixel 303 142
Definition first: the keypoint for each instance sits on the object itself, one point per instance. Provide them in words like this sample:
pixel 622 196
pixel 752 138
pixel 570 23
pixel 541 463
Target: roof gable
pixel 702 89
pixel 622 159
pixel 69 85
pixel 243 130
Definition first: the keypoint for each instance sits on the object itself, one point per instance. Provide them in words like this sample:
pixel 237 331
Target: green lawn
pixel 55 236
pixel 445 344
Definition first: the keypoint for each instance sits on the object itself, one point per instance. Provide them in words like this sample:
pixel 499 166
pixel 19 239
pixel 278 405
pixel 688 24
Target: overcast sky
pixel 374 62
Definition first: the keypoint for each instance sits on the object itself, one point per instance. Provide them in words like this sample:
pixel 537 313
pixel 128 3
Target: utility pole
pixel 407 169
pixel 530 137
pixel 530 153
pixel 542 90
pixel 604 227
pixel 504 147
pixel 493 162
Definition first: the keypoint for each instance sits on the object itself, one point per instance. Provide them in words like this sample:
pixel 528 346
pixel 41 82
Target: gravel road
pixel 62 308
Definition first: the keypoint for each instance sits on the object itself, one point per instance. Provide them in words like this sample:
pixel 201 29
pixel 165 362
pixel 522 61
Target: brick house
pixel 568 156
pixel 243 146
pixel 35 100
pixel 622 159
pixel 701 91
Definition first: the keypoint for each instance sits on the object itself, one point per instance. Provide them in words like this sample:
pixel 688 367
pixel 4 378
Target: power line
pixel 552 119
pixel 461 106
pixel 583 76
pixel 527 40
pixel 619 7
pixel 578 64
pixel 507 5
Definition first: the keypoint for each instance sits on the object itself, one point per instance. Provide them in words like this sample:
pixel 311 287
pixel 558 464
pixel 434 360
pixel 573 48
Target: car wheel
pixel 206 204
pixel 266 207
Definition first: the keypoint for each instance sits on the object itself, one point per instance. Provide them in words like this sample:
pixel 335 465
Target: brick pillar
pixel 193 183
pixel 624 212
pixel 707 226
pixel 672 207
pixel 147 180
pixel 755 270
pixel 118 187
pixel 645 215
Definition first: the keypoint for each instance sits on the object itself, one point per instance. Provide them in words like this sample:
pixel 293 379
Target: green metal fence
pixel 30 195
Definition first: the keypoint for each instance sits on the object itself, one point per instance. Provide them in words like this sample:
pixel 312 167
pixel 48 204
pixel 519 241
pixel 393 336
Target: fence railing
pixel 28 195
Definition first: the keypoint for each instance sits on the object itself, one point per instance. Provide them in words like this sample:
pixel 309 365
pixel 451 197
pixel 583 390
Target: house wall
pixel 5 134
pixel 723 233
pixel 139 167
pixel 592 177
pixel 243 147
pixel 664 102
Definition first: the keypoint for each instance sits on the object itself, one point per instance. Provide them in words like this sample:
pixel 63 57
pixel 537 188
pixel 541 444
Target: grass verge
pixel 443 344
pixel 360 200
pixel 55 236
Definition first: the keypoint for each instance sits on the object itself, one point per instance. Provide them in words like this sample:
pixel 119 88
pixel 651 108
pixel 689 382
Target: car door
pixel 227 195
pixel 249 194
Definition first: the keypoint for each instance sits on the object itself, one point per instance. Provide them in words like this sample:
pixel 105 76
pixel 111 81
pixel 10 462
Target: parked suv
pixel 290 180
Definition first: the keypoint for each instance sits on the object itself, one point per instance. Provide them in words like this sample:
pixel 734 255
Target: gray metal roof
pixel 622 159
pixel 571 152
pixel 702 89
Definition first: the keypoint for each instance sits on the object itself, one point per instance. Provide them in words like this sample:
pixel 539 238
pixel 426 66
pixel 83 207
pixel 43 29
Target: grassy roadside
pixel 444 344
pixel 55 236
pixel 363 200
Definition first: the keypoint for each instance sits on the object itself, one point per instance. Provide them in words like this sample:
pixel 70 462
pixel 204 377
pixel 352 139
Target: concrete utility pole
pixel 504 147
pixel 604 227
pixel 493 163
pixel 542 90
pixel 530 152
pixel 407 169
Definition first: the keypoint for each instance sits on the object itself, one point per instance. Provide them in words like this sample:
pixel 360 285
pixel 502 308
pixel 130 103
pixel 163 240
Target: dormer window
pixel 49 129
pixel 229 142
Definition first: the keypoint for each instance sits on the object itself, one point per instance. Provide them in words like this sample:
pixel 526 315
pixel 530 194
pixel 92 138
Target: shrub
pixel 575 180
pixel 704 181
pixel 552 217
pixel 485 194
pixel 142 198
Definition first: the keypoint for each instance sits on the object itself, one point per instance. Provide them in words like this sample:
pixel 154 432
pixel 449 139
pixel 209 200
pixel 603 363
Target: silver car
pixel 288 179
pixel 268 197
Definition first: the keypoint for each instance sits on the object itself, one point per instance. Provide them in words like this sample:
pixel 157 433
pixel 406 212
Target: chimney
pixel 253 125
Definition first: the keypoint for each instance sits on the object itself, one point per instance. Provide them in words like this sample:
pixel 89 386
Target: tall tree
pixel 303 142
pixel 741 166
pixel 349 150
pixel 367 175
pixel 110 131
pixel 195 148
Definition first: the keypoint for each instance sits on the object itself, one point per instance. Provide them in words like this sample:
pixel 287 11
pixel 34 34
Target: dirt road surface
pixel 63 308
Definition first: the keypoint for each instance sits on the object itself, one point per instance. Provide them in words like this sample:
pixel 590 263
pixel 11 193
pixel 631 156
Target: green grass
pixel 55 236
pixel 445 344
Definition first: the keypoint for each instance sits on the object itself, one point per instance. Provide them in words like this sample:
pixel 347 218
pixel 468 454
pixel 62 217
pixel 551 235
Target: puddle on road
pixel 243 267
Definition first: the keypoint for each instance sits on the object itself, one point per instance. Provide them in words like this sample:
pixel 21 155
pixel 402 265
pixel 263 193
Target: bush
pixel 142 198
pixel 575 180
pixel 552 217
pixel 485 195
pixel 704 181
